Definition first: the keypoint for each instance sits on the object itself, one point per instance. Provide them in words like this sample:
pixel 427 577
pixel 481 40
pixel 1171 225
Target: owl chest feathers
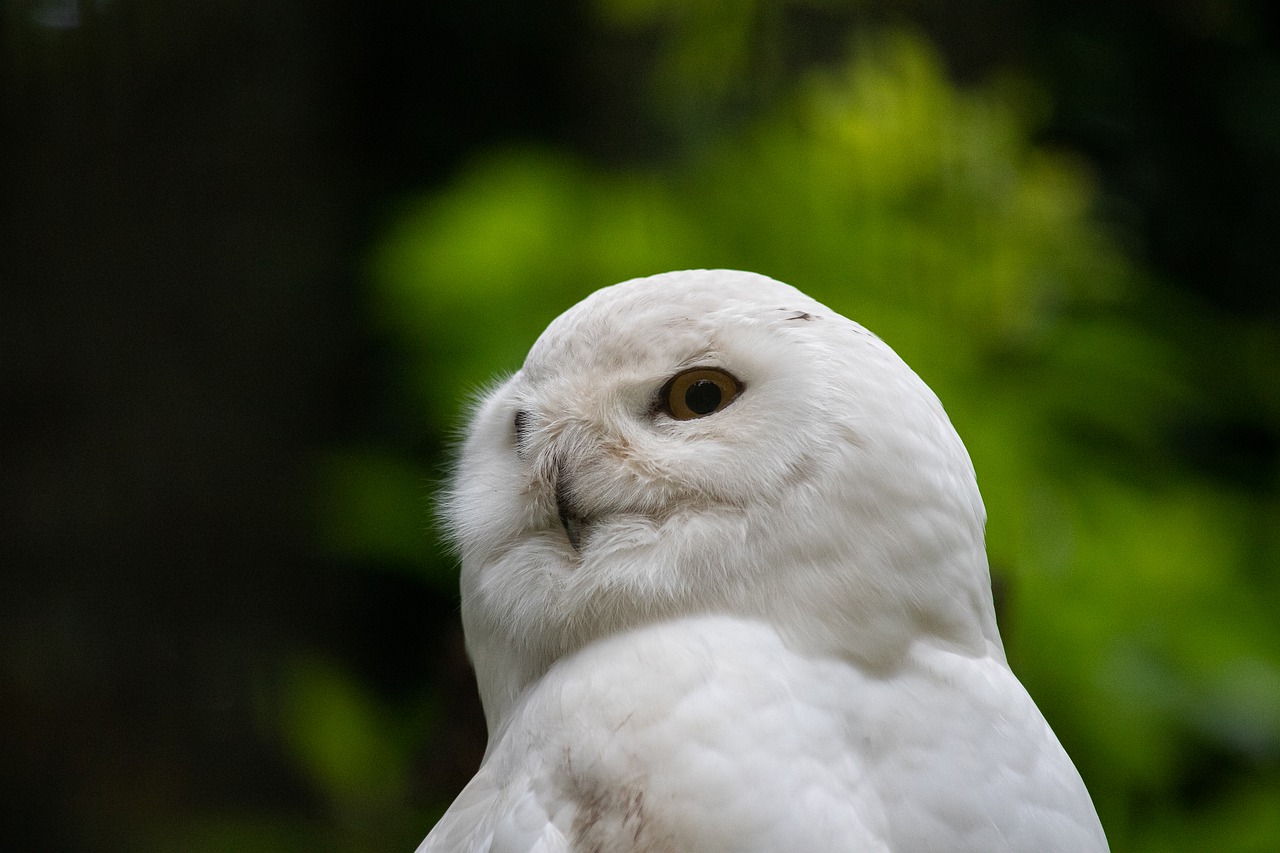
pixel 712 734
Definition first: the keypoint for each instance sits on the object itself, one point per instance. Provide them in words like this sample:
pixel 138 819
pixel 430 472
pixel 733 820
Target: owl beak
pixel 570 520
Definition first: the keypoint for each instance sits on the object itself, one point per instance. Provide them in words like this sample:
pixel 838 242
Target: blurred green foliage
pixel 1139 589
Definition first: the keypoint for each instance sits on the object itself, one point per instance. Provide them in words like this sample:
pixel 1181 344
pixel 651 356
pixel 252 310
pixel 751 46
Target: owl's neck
pixel 872 617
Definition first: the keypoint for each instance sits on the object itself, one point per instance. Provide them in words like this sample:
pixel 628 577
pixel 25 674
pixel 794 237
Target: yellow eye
pixel 698 392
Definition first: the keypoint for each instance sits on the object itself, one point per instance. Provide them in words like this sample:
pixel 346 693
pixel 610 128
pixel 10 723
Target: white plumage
pixel 725 589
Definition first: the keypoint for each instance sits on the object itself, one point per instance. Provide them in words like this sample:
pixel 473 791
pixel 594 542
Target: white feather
pixel 766 629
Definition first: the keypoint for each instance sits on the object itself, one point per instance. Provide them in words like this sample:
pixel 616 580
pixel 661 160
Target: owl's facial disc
pixel 562 448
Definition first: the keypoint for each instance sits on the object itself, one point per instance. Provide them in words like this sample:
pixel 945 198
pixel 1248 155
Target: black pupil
pixel 703 397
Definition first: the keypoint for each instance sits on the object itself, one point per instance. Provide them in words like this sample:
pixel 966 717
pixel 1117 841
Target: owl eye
pixel 698 392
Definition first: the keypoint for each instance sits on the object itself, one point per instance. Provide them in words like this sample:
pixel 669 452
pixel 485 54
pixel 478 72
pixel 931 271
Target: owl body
pixel 725 589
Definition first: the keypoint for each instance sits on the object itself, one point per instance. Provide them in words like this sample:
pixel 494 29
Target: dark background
pixel 188 195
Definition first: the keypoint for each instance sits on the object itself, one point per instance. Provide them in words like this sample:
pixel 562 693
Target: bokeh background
pixel 255 255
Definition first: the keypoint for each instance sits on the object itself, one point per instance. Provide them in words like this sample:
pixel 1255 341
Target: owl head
pixel 713 441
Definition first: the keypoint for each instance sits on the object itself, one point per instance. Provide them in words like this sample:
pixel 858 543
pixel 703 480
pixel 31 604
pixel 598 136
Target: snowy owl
pixel 725 588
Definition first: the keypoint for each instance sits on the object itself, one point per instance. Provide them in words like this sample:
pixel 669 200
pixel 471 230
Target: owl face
pixel 711 441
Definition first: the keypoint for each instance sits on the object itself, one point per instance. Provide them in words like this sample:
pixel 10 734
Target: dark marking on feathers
pixel 611 817
pixel 521 425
